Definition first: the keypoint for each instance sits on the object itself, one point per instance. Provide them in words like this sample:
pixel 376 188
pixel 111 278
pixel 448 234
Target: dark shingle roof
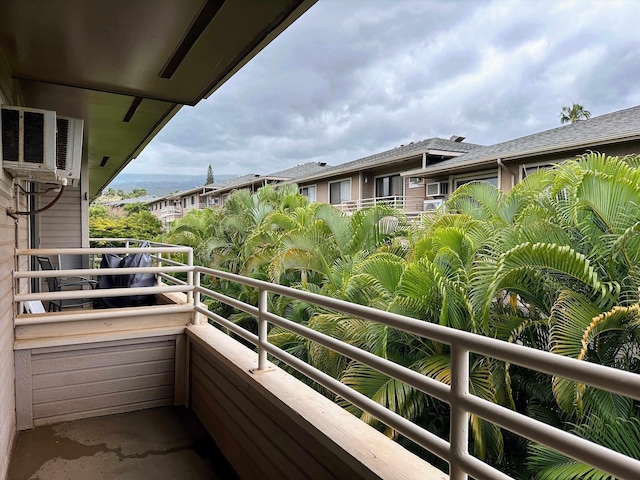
pixel 235 181
pixel 303 170
pixel 403 151
pixel 289 174
pixel 606 128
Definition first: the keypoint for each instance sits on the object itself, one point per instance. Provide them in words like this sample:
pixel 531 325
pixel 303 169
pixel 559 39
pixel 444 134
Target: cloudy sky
pixel 352 78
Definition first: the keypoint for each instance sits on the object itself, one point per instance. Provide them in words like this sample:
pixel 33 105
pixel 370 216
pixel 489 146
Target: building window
pixel 184 202
pixel 416 182
pixel 193 199
pixel 390 186
pixel 339 192
pixel 532 168
pixel 309 192
pixel 489 178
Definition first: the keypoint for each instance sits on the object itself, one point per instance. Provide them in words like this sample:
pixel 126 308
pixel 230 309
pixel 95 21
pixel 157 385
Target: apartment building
pixel 507 163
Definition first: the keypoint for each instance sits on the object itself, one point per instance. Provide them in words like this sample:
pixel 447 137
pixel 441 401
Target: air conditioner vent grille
pixel 10 134
pixel 62 140
pixel 33 137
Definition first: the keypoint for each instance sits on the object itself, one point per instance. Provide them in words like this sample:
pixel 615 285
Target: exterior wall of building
pixel 10 231
pixel 60 226
pixel 7 375
pixel 512 171
pixel 414 196
pixel 322 192
pixel 368 186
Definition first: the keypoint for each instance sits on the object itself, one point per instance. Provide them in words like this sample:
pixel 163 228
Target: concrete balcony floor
pixel 161 444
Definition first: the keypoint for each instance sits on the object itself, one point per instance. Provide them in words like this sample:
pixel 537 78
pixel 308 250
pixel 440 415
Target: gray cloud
pixel 353 78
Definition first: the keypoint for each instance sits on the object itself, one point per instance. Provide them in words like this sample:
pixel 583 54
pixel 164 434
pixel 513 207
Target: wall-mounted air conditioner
pixel 430 205
pixel 28 143
pixel 437 189
pixel 69 147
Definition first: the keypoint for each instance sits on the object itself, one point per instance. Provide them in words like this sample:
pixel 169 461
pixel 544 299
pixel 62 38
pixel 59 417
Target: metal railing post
pixel 196 300
pixel 159 261
pixel 459 424
pixel 190 275
pixel 262 328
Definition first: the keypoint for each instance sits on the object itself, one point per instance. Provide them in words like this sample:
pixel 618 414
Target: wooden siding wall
pixel 368 186
pixel 8 230
pixel 414 197
pixel 258 441
pixel 322 191
pixel 60 226
pixel 57 384
pixel 7 397
pixel 271 426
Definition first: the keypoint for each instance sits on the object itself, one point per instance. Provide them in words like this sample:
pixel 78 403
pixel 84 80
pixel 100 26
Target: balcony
pixel 195 206
pixel 85 363
pixel 168 214
pixel 395 201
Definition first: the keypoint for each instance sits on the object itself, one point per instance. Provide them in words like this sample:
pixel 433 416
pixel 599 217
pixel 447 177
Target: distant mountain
pixel 160 185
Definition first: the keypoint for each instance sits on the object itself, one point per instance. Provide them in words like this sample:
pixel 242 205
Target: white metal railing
pixel 395 201
pixel 163 268
pixel 462 402
pixel 196 206
pixel 170 212
pixel 457 395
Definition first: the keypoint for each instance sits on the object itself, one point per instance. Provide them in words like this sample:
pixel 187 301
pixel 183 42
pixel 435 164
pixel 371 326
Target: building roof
pixel 289 174
pixel 235 181
pixel 433 146
pixel 302 170
pixel 604 129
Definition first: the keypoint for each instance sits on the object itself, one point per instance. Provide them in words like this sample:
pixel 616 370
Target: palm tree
pixel 574 113
pixel 552 265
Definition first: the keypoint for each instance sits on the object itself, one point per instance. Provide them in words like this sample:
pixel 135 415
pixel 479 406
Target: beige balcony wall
pixel 269 425
pixel 10 231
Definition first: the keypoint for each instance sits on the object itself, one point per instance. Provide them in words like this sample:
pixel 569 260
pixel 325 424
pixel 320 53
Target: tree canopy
pixel 551 264
pixel 136 222
pixel 210 178
pixel 574 113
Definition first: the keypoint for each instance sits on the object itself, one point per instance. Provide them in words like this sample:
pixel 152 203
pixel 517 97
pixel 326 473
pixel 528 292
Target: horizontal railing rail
pixel 163 269
pixel 462 402
pixel 395 201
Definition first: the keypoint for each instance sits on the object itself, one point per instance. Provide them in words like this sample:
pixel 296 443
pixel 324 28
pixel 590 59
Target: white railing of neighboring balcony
pixel 395 201
pixel 457 395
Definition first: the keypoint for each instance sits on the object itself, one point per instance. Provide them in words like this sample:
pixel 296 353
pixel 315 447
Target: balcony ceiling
pixel 126 67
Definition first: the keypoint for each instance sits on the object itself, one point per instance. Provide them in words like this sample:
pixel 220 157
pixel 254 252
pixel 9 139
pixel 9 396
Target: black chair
pixel 57 284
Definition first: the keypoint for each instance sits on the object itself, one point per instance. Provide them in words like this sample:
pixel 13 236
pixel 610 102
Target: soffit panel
pixel 105 133
pixel 122 46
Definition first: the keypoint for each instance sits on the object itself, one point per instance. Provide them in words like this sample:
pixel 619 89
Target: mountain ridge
pixel 161 184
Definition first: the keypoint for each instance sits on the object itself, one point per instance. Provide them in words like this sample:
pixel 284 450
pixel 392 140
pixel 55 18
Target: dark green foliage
pixel 552 265
pixel 140 225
